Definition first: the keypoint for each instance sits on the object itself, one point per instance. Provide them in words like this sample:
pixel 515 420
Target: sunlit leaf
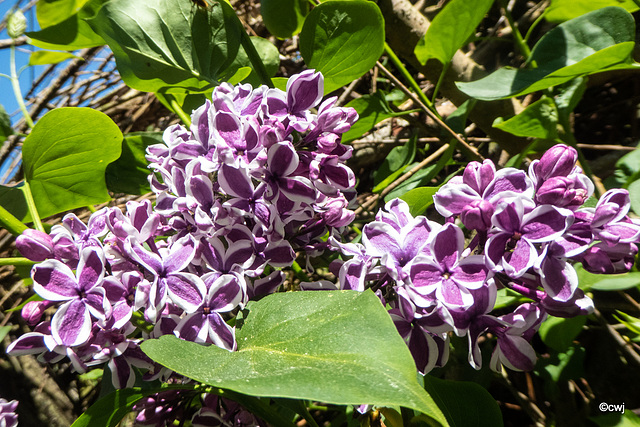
pixel 450 29
pixel 343 39
pixel 538 120
pixel 598 41
pixel 334 347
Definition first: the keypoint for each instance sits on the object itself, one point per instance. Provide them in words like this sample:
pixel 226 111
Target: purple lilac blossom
pixel 8 416
pixel 258 179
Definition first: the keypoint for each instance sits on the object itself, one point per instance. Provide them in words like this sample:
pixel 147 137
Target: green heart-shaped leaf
pixel 335 347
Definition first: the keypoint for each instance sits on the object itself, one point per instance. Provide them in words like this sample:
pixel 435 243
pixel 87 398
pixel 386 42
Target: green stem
pixel 15 83
pixel 445 67
pixel 308 418
pixel 409 78
pixel 533 26
pixel 16 261
pixel 179 111
pixel 92 208
pixel 299 272
pixel 12 224
pixel 31 204
pixel 520 43
pixel 254 58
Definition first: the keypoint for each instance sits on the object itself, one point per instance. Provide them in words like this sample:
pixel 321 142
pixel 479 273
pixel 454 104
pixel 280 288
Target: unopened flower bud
pixel 562 192
pixel 558 161
pixel 16 24
pixel 35 245
pixel 33 310
pixel 478 175
pixel 477 215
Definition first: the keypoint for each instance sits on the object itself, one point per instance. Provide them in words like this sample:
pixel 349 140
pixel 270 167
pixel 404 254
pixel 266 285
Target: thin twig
pixel 472 150
pixel 371 202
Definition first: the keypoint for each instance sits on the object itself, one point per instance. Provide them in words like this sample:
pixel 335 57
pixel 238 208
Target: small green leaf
pixel 170 43
pixel 284 18
pixel 586 280
pixel 465 404
pixel 45 57
pixel 599 41
pixel 335 347
pixel 450 29
pixel 559 333
pixel 538 120
pixel 108 411
pixel 4 330
pixel 5 124
pixel 63 25
pixel 343 39
pixel 65 157
pixel 52 12
pixel 129 173
pixel 564 10
pixel 634 195
pixel 268 54
pixel 394 164
pixel 419 199
pixel 372 109
pixel 618 282
pixel 632 323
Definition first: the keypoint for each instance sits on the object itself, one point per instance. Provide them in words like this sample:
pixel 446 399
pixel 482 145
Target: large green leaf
pixel 465 404
pixel 564 10
pixel 284 18
pixel 538 120
pixel 450 29
pixel 335 347
pixel 65 157
pixel 169 43
pixel 599 41
pixel 63 24
pixel 129 173
pixel 45 57
pixel 343 39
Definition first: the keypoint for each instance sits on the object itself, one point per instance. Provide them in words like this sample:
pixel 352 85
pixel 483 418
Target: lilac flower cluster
pixel 525 233
pixel 256 180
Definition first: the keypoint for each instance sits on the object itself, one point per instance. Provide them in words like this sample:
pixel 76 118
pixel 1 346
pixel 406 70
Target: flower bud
pixel 35 245
pixel 477 215
pixel 33 310
pixel 16 24
pixel 478 175
pixel 562 192
pixel 559 160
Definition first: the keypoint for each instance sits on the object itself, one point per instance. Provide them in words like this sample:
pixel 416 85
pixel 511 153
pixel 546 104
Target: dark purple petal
pixel 546 223
pixel 182 252
pixel 54 281
pixel 225 293
pixel 90 268
pixel 71 325
pixel 220 333
pixel 282 159
pixel 447 245
pixel 235 182
pixel 515 353
pixel 304 91
pixel 186 290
